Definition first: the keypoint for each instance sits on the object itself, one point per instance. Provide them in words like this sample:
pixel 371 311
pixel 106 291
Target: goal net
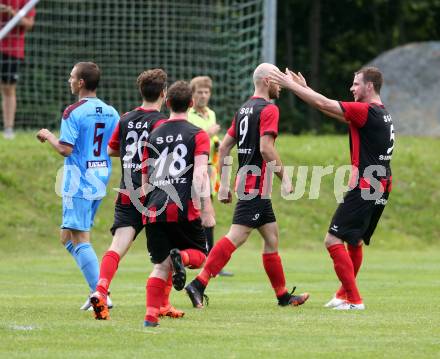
pixel 187 38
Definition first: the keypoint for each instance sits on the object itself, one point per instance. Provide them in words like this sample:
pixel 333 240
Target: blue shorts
pixel 79 213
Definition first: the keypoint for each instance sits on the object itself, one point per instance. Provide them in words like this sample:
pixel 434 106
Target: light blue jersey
pixel 87 126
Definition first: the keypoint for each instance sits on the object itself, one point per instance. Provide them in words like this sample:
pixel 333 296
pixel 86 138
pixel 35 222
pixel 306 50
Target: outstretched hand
pixel 298 78
pixel 287 79
pixel 280 78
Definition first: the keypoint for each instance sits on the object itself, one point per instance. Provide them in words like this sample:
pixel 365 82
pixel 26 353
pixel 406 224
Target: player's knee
pixel 330 240
pixel 161 270
pixel 118 248
pixel 64 236
pixel 237 238
pixel 8 90
pixel 271 244
pixel 121 243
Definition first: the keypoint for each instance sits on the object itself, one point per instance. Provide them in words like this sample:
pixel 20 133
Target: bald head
pixel 264 87
pixel 262 71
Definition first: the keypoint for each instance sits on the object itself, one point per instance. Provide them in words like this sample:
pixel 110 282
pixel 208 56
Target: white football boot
pixel 350 306
pixel 334 302
pixel 109 301
pixel 88 305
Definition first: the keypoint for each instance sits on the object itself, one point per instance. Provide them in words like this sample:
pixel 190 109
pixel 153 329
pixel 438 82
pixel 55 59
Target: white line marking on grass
pixel 22 327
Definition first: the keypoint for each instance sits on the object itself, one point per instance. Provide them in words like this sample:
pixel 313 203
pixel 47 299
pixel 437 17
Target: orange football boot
pixel 100 308
pixel 170 311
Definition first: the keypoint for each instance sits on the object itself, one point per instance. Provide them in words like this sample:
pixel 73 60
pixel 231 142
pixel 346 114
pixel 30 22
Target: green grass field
pixel 41 289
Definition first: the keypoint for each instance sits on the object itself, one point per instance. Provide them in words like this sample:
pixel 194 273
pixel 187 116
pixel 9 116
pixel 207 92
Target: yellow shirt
pixel 198 120
pixel 204 123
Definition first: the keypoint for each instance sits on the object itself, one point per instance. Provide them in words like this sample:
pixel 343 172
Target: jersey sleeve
pixel 231 130
pixel 115 141
pixel 69 130
pixel 203 145
pixel 269 120
pixel 355 112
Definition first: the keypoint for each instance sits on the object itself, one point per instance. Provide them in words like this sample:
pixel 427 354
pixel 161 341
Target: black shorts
pixel 356 218
pixel 164 236
pixel 9 67
pixel 253 213
pixel 126 215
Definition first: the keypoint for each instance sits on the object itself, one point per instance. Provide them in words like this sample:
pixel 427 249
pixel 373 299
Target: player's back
pixel 133 131
pixel 87 126
pixel 170 163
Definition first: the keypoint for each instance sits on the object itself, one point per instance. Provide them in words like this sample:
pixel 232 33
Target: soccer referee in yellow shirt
pixel 202 116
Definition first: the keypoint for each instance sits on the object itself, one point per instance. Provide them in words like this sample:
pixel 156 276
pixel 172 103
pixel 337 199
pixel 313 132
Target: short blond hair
pixel 200 81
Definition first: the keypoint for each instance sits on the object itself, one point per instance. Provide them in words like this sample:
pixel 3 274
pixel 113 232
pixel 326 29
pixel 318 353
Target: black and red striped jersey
pixel 255 118
pixel 168 166
pixel 129 138
pixel 371 141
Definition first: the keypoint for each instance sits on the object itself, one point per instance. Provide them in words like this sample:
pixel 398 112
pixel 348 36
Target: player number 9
pixel 243 127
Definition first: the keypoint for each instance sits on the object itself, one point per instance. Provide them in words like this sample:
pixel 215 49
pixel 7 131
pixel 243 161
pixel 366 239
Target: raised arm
pixel 27 22
pixel 289 80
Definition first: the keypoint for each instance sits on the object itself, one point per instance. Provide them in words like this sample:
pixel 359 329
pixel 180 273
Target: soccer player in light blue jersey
pixel 86 128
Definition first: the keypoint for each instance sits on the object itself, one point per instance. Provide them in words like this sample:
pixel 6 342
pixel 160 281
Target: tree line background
pixel 329 40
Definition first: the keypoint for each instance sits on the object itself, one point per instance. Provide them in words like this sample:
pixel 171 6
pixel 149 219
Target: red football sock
pixel 167 291
pixel 356 256
pixel 155 292
pixel 192 258
pixel 109 266
pixel 355 253
pixel 217 259
pixel 274 270
pixel 345 272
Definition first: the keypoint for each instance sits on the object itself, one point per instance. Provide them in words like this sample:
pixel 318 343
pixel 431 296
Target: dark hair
pixel 90 73
pixel 151 83
pixel 373 75
pixel 179 96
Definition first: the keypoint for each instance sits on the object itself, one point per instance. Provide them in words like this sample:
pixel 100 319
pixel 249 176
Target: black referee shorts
pixel 357 218
pixel 164 236
pixel 254 213
pixel 126 215
pixel 9 67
